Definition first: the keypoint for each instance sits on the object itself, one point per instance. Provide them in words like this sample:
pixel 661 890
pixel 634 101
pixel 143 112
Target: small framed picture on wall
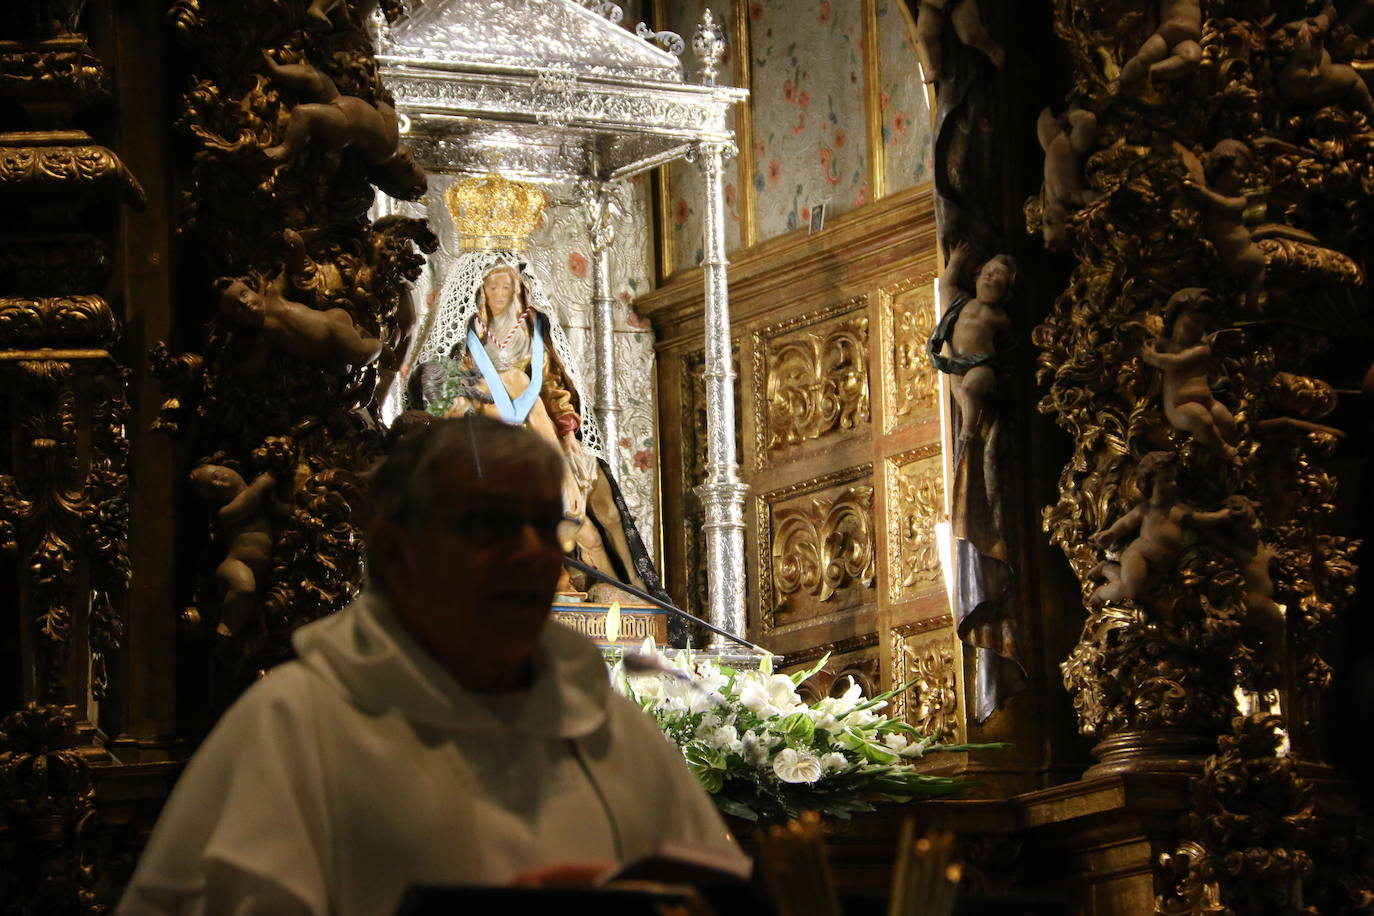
pixel 817 219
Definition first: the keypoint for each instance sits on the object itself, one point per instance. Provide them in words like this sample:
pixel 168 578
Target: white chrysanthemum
pixel 753 748
pixel 833 761
pixel 725 739
pixel 793 765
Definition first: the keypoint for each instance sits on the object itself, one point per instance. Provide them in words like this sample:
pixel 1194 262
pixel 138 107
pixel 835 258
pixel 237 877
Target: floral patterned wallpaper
pixel 685 184
pixel 807 77
pixel 903 101
pixel 807 102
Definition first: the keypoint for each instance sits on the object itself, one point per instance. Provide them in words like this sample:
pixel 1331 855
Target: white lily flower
pixel 793 765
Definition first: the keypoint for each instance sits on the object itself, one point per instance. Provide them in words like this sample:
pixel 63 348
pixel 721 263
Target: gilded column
pixel 64 480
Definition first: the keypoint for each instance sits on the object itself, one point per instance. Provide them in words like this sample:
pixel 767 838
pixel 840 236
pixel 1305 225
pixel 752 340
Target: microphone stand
pixel 645 596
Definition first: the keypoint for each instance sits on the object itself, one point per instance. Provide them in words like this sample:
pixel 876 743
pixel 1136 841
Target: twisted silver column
pixel 722 495
pixel 601 229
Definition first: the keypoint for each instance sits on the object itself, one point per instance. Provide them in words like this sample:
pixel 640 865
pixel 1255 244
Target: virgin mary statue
pixel 495 346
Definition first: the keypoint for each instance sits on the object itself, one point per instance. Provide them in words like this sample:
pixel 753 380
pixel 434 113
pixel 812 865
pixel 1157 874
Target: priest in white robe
pixel 439 730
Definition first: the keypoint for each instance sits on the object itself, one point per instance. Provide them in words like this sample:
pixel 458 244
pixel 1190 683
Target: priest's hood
pixel 366 654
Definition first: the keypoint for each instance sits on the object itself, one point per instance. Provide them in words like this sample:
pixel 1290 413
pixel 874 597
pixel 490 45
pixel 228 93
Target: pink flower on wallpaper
pixel 804 99
pixel 800 125
pixel 774 171
pixel 828 165
pixel 680 212
pixel 884 100
pixel 899 124
pixel 624 441
pixel 825 11
pixel 861 195
pixel 644 460
pixel 806 214
pixel 839 138
pixel 759 149
pixel 729 194
pixel 789 90
pixel 577 265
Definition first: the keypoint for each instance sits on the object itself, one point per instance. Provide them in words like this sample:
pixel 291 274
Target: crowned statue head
pixel 491 297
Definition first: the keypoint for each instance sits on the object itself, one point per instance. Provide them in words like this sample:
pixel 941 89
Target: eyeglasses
pixel 504 528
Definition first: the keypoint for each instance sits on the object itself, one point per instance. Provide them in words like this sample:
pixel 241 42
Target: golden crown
pixel 494 212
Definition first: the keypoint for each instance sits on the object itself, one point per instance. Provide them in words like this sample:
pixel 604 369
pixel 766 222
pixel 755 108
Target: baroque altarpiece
pixel 1072 430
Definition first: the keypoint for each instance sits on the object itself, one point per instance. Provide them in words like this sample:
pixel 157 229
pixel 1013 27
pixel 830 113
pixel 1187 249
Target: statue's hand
pixel 571 445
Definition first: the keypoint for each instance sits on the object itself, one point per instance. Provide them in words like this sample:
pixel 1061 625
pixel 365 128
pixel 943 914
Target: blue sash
pixel 511 411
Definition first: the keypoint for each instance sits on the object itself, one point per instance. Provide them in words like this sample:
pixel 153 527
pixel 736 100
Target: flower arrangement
pixel 762 753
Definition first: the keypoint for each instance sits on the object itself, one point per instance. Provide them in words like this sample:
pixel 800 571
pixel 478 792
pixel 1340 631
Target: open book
pixel 680 862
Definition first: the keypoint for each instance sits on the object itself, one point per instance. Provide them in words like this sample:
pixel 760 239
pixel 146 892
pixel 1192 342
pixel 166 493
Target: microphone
pixel 645 596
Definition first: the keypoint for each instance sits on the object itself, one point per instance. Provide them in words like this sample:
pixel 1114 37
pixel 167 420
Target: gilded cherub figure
pixel 1184 357
pixel 1240 540
pixel 1172 52
pixel 1217 186
pixel 305 333
pixel 1157 522
pixel 1309 76
pixel 246 527
pixel 1066 142
pixel 317 15
pixel 346 122
pixel 969 329
pixel 967 20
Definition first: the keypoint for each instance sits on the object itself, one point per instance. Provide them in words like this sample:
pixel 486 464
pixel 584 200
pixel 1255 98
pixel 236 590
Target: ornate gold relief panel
pixel 810 379
pixel 907 318
pixel 926 651
pixel 915 502
pixel 817 552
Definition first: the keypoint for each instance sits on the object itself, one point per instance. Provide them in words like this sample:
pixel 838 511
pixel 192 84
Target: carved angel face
pixel 994 281
pixel 242 303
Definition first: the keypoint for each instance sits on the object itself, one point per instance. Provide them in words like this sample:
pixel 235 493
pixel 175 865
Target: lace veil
pixel 457 304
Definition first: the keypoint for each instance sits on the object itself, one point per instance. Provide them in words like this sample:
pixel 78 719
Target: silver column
pixel 601 228
pixel 722 495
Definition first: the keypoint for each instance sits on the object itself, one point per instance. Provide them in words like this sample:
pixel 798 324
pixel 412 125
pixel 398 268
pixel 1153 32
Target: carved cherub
pixel 970 327
pixel 1184 356
pixel 1240 540
pixel 1066 142
pixel 1172 52
pixel 246 527
pixel 1157 522
pixel 1309 76
pixel 329 335
pixel 344 121
pixel 317 16
pixel 968 27
pixel 1216 184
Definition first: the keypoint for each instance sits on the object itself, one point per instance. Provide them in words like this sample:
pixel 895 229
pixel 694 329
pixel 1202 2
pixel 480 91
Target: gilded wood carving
pixel 302 293
pixel 819 545
pixel 811 378
pixel 915 502
pixel 910 386
pixel 926 653
pixel 1230 198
